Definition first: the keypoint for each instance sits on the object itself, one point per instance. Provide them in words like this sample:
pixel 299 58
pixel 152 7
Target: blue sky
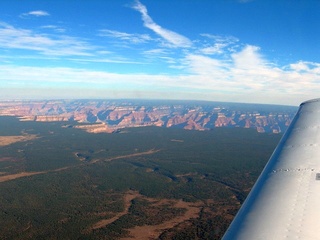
pixel 224 50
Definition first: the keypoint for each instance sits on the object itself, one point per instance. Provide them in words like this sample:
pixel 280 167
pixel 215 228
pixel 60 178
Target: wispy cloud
pixel 216 48
pixel 173 38
pixel 203 65
pixel 156 51
pixel 47 75
pixel 219 44
pixel 105 60
pixel 248 72
pixel 24 39
pixel 208 67
pixel 245 76
pixel 54 28
pixel 129 37
pixel 162 55
pixel 38 13
pixel 306 67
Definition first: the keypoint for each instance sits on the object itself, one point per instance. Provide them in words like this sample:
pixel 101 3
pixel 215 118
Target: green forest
pixel 66 183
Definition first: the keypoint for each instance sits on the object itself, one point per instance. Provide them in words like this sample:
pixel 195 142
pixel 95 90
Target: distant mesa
pixel 109 116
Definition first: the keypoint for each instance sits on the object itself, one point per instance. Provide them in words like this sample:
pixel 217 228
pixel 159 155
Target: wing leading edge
pixel 285 201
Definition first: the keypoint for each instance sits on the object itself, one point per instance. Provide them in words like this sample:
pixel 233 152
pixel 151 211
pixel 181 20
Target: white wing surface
pixel 285 201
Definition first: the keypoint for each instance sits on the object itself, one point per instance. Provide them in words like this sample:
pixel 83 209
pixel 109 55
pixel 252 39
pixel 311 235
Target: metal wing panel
pixel 285 201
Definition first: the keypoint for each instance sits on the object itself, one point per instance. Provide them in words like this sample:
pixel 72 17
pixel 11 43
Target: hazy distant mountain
pixel 112 115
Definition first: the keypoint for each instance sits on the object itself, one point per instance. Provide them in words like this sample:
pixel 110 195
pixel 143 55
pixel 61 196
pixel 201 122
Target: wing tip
pixel 310 101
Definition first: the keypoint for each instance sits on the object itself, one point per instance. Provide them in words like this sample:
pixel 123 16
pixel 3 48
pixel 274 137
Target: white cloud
pixel 47 75
pixel 156 51
pixel 248 58
pixel 210 68
pixel 209 79
pixel 38 13
pixel 54 28
pixel 173 38
pixel 104 60
pixel 219 45
pixel 133 38
pixel 161 55
pixel 306 67
pixel 217 48
pixel 16 38
pixel 248 73
pixel 203 65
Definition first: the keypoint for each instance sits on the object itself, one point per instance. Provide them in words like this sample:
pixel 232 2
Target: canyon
pixel 109 116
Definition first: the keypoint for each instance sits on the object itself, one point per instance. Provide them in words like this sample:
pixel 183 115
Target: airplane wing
pixel 284 203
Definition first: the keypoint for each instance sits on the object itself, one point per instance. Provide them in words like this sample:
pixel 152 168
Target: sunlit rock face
pixel 116 114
